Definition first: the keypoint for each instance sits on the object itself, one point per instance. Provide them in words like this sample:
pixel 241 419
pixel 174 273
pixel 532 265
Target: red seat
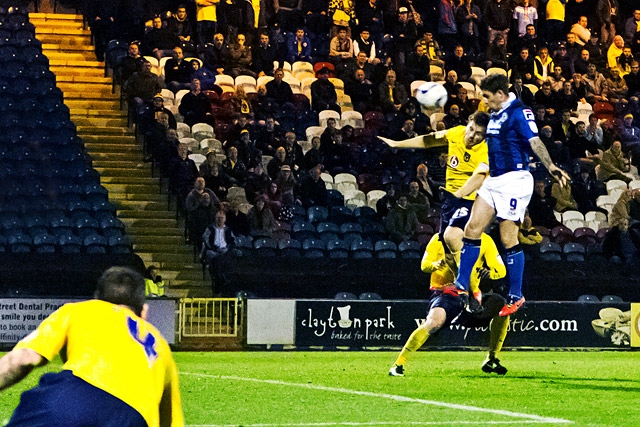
pixel 603 110
pixel 322 64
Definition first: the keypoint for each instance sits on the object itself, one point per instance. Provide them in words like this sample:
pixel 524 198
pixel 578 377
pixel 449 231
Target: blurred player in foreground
pixel 446 306
pixel 512 137
pixel 118 370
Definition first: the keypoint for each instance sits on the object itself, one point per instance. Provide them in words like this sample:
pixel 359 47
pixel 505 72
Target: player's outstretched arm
pixel 16 365
pixel 472 184
pixel 540 150
pixel 431 140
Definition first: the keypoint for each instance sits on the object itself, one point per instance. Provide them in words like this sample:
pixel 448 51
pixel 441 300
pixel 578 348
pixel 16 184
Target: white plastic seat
pixel 263 80
pixel 354 198
pixel 437 73
pixel 345 177
pixel 162 63
pixel 247 82
pixel 352 118
pixel 478 73
pixel 415 85
pixel 558 216
pixel 211 144
pixel 570 215
pixel 168 97
pixel 202 131
pixel 435 118
pixel 183 130
pixel 324 115
pixel 293 82
pixel 192 143
pixel 573 224
pixel 225 80
pixel 265 161
pixel 471 89
pixel 179 95
pixel 496 70
pixel 373 196
pixel 326 177
pixel 634 185
pixel 301 66
pixel 312 131
pixel 303 74
pixel 236 193
pixel 198 158
pixel 338 83
pixel 307 82
pixel 595 216
pixel 615 184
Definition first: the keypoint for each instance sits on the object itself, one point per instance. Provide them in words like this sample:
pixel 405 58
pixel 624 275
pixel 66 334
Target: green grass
pixel 353 389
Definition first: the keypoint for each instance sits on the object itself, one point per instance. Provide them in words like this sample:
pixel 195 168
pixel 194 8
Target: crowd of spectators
pixel 575 63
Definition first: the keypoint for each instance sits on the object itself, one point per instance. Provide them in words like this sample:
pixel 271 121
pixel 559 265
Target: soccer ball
pixel 431 95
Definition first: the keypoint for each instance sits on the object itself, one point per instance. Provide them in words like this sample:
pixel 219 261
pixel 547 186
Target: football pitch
pixel 264 389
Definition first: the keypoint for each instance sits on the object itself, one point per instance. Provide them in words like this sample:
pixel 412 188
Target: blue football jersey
pixel 508 135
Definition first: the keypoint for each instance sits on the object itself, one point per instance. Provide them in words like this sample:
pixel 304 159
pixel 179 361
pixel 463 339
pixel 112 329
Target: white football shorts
pixel 509 194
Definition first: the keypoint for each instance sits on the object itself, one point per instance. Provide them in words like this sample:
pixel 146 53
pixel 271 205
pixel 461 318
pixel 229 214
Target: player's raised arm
pixel 431 140
pixel 540 150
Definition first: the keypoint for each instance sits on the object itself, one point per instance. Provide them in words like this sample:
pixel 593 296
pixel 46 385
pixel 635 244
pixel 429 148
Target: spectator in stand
pixel 216 54
pixel 608 12
pixel 565 129
pixel 595 134
pixel 459 63
pixel 218 251
pixel 522 92
pixel 581 64
pixel 468 20
pixel 596 51
pixel 214 177
pixel 548 98
pixel 240 58
pixel 623 239
pixel 294 156
pixel 447 28
pixel 497 16
pixel 633 84
pixel 365 44
pixel 371 18
pixel 237 220
pixel 130 64
pixel 561 57
pixel 153 283
pixel 573 49
pixel 313 191
pixel 564 199
pixel 614 164
pixel 153 111
pixel 625 60
pixel 421 122
pixel 183 173
pixel 418 202
pixel 393 95
pixel 557 79
pixel 180 26
pixel 531 40
pixel 630 137
pixel 614 51
pixel 264 55
pixel 542 118
pixel 360 62
pixel 616 89
pixel 524 15
pixel 315 155
pixel 528 236
pixel 195 106
pixel 323 93
pixel 586 189
pixel 257 184
pixel 426 184
pixel 299 47
pixel 177 71
pixel 158 41
pixel 582 33
pixel 405 34
pixel 595 84
pixel 522 66
pixel 200 204
pixel 496 55
pixel 418 66
pixel 543 66
pixel 632 27
pixel 277 162
pixel 568 99
pixel 280 94
pixel 341 51
pixel 288 15
pixel 261 220
pixel 141 88
pixel 554 24
pixel 288 186
pixel 101 15
pixel 432 49
pixel 207 21
pixel 234 168
pixel 453 118
pixel 541 207
pixel 363 93
pixel 270 136
pixel 558 151
pixel 206 77
pixel 401 222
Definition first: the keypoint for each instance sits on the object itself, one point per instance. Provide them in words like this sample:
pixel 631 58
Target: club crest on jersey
pixel 495 124
pixel 467 156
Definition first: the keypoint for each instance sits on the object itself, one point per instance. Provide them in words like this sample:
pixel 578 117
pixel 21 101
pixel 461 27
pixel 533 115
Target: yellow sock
pixel 415 341
pixel 499 326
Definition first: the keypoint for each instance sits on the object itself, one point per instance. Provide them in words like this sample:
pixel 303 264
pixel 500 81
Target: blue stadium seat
pixel 316 214
pixel 70 244
pixel 338 249
pixel 19 242
pixel 289 248
pixel 345 296
pixel 313 248
pixel 45 243
pixel 371 296
pixel 574 252
pixel 588 298
pixel 95 244
pixel 265 247
pixel 244 244
pixel 612 299
pixel 550 251
pixel 410 249
pixel 385 249
pixel 302 230
pixel 119 245
pixel 361 249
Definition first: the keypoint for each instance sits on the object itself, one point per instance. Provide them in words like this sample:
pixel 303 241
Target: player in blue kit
pixel 512 137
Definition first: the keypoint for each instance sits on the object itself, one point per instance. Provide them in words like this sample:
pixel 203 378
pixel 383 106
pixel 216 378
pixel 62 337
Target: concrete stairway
pixel 157 235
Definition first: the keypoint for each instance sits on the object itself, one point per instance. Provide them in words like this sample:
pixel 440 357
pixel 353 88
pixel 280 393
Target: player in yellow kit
pixel 446 306
pixel 118 370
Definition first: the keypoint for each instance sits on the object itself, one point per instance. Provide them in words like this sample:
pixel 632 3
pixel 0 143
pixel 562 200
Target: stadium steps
pixel 158 238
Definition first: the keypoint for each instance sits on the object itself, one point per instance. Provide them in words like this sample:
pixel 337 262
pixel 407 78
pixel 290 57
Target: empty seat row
pixel 65 244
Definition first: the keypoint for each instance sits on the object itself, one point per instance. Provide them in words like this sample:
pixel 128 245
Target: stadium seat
pixel 410 249
pixel 561 234
pixel 316 214
pixel 612 299
pixel 119 245
pixel 574 252
pixel 244 244
pixel 289 248
pixel 338 249
pixel 361 249
pixel 585 236
pixel 340 214
pixel 588 298
pixel 302 230
pixel 265 247
pixel 351 231
pixel 371 296
pixel 95 244
pixel 313 248
pixel 345 296
pixel 550 251
pixel 385 249
pixel 70 244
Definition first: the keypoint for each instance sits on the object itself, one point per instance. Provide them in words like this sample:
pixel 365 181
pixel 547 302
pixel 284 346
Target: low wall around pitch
pixel 330 324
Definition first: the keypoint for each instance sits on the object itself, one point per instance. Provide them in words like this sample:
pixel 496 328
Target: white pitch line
pixel 530 417
pixel 379 423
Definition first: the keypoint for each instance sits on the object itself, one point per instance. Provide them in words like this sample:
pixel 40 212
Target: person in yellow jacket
pixel 118 369
pixel 153 283
pixel 445 305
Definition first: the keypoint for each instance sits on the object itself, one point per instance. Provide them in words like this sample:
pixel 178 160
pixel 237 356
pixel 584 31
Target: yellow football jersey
pixel 113 349
pixel 439 277
pixel 463 162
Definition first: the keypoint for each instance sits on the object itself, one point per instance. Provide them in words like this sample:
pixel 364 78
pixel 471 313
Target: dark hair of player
pixel 480 118
pixel 122 286
pixel 494 83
